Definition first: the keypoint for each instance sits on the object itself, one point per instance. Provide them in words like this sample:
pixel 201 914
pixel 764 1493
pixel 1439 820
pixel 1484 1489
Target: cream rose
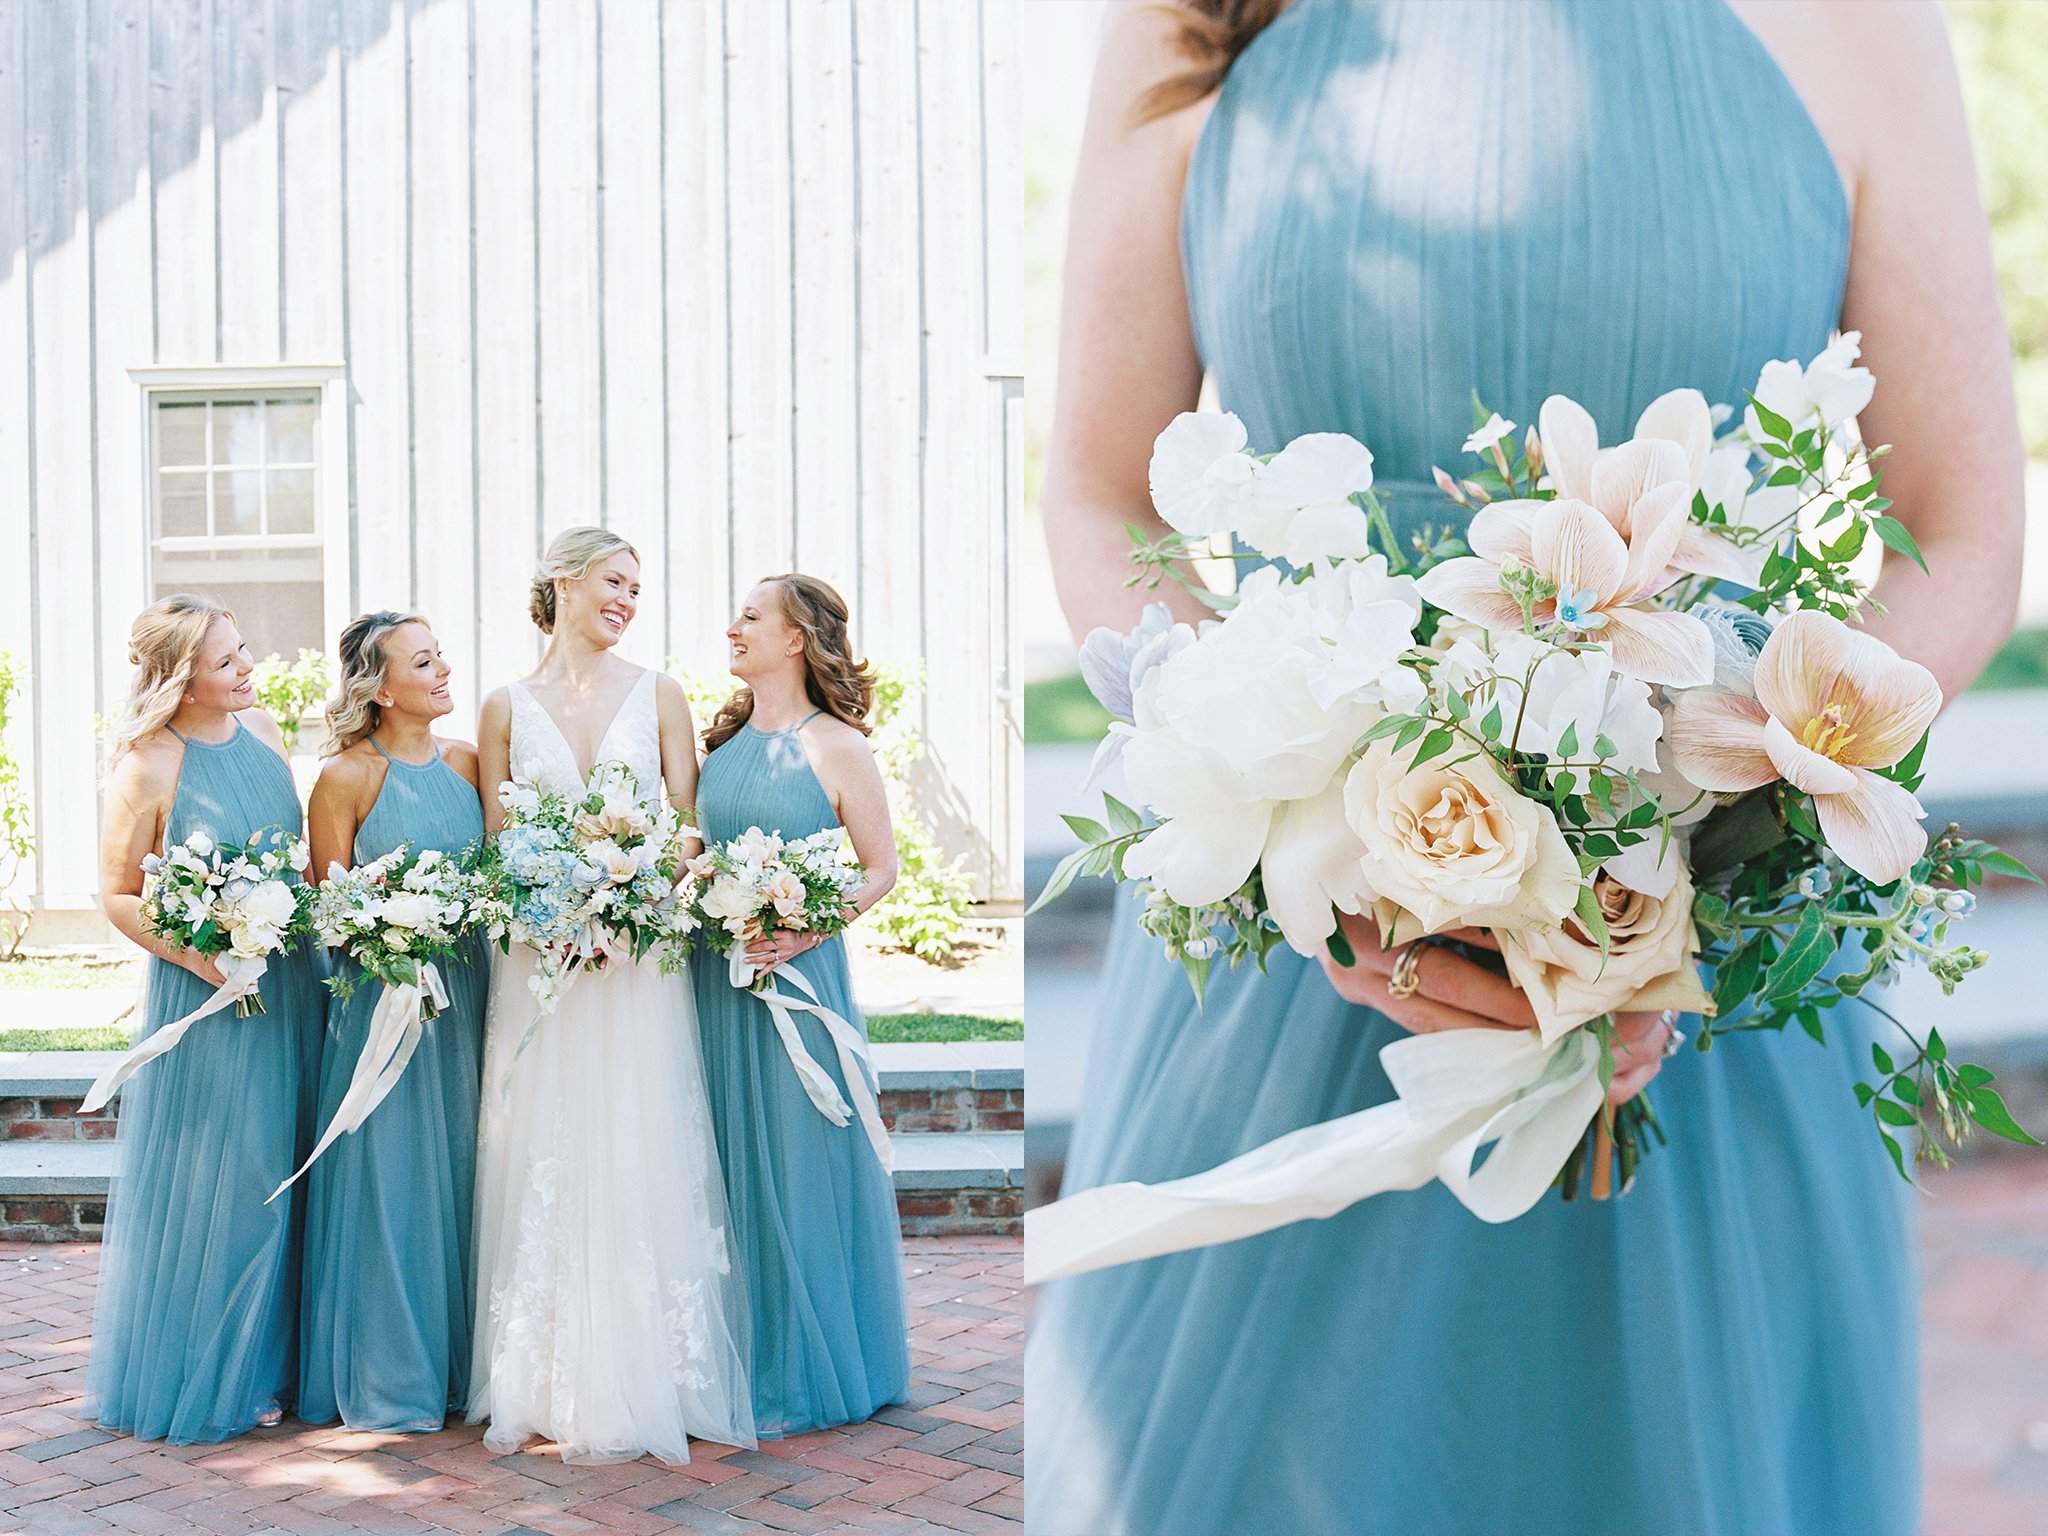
pixel 1651 959
pixel 1455 844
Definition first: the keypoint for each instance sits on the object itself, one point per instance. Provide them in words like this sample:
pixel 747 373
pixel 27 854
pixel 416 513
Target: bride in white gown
pixel 608 1318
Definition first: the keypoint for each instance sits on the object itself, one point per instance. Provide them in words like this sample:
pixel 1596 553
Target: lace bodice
pixel 542 756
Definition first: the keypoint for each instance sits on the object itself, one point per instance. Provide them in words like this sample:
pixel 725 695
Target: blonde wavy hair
pixel 355 713
pixel 164 644
pixel 835 680
pixel 570 555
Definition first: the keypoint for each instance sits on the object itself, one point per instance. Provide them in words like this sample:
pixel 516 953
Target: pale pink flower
pixel 1673 440
pixel 1602 580
pixel 1832 704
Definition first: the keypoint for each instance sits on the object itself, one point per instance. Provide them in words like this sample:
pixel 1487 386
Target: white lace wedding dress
pixel 608 1317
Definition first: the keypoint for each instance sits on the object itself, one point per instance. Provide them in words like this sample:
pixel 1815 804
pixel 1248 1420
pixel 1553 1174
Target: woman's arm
pixel 1127 363
pixel 139 794
pixel 1924 294
pixel 334 811
pixel 678 750
pixel 494 754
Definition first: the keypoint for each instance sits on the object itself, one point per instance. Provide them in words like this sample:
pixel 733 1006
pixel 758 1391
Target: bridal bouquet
pixel 394 916
pixel 759 884
pixel 582 881
pixel 1621 725
pixel 239 903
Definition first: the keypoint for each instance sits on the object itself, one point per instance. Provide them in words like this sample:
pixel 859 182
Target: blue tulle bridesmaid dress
pixel 1393 205
pixel 814 1221
pixel 384 1333
pixel 194 1334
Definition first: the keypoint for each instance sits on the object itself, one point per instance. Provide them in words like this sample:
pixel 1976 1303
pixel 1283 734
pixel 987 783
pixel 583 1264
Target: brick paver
pixel 949 1460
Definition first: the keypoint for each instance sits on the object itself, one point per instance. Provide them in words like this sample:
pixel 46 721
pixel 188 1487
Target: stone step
pixel 945 1183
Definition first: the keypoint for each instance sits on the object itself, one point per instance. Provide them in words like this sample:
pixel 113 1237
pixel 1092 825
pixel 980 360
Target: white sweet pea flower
pixel 1483 438
pixel 1366 622
pixel 1830 389
pixel 200 844
pixel 1578 691
pixel 1203 482
pixel 1303 507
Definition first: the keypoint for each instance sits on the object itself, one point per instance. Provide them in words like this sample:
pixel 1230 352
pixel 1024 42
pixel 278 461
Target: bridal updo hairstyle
pixel 570 555
pixel 355 712
pixel 164 644
pixel 835 680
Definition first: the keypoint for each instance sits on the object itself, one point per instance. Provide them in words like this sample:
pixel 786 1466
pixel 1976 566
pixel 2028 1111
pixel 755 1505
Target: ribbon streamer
pixel 241 975
pixel 846 1040
pixel 1457 1091
pixel 395 1029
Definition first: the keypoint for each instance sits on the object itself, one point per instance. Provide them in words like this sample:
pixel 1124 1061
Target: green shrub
pixel 17 835
pixel 289 690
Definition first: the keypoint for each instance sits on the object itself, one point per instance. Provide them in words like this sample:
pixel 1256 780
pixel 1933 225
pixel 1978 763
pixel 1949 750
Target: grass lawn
pixel 69 973
pixel 888 1028
pixel 940 1028
pixel 101 1037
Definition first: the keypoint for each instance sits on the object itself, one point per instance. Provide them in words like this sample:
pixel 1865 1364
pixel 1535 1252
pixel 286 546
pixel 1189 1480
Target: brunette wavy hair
pixel 164 644
pixel 835 680
pixel 1210 35
pixel 355 713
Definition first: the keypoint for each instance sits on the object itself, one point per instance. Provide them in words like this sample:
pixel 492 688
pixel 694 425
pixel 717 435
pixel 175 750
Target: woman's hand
pixel 199 965
pixel 780 947
pixel 1640 1043
pixel 1451 992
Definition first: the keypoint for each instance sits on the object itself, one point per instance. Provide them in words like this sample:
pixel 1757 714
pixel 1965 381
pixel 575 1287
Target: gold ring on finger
pixel 1405 980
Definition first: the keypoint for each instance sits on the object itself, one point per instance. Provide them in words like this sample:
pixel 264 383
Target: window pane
pixel 291 501
pixel 291 431
pixel 237 432
pixel 238 502
pixel 277 599
pixel 181 433
pixel 181 504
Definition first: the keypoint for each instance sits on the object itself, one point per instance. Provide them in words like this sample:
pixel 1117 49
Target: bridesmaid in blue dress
pixel 195 1325
pixel 1383 208
pixel 384 1335
pixel 813 1212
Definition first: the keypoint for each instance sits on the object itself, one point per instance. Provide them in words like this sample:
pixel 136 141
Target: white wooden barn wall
pixel 740 280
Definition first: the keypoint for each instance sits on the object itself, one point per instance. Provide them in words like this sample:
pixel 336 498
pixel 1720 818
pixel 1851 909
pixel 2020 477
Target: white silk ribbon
pixel 395 1029
pixel 1457 1090
pixel 242 975
pixel 846 1040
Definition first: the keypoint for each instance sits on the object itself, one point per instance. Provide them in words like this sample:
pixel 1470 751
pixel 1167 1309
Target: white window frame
pixel 328 383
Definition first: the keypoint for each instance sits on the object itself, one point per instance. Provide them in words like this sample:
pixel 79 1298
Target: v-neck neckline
pixel 582 773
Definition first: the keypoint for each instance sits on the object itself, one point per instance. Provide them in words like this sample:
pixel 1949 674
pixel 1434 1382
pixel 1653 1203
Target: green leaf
pixel 1592 918
pixel 1906 1090
pixel 1568 743
pixel 1894 534
pixel 1416 725
pixel 1435 744
pixel 1340 948
pixel 1891 1145
pixel 1198 976
pixel 1386 727
pixel 1086 830
pixel 1894 1114
pixel 1937 1048
pixel 1121 816
pixel 1864 1094
pixel 1459 706
pixel 1882 1057
pixel 1055 886
pixel 1734 981
pixel 1773 424
pixel 1806 952
pixel 1490 726
pixel 1603 747
pixel 1970 1075
pixel 1989 1111
pixel 2006 864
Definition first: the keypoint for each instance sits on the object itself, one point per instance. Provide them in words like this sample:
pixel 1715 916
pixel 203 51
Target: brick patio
pixel 950 1460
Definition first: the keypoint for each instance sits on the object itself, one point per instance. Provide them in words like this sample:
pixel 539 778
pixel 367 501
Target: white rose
pixel 1455 844
pixel 251 939
pixel 407 910
pixel 1651 961
pixel 272 903
pixel 729 900
pixel 1228 729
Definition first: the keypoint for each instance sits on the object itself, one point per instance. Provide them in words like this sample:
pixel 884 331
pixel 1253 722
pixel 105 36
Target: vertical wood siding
pixel 737 279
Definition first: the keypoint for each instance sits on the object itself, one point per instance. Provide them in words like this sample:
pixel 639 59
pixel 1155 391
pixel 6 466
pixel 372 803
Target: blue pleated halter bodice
pixel 1395 205
pixel 763 779
pixel 426 805
pixel 232 790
